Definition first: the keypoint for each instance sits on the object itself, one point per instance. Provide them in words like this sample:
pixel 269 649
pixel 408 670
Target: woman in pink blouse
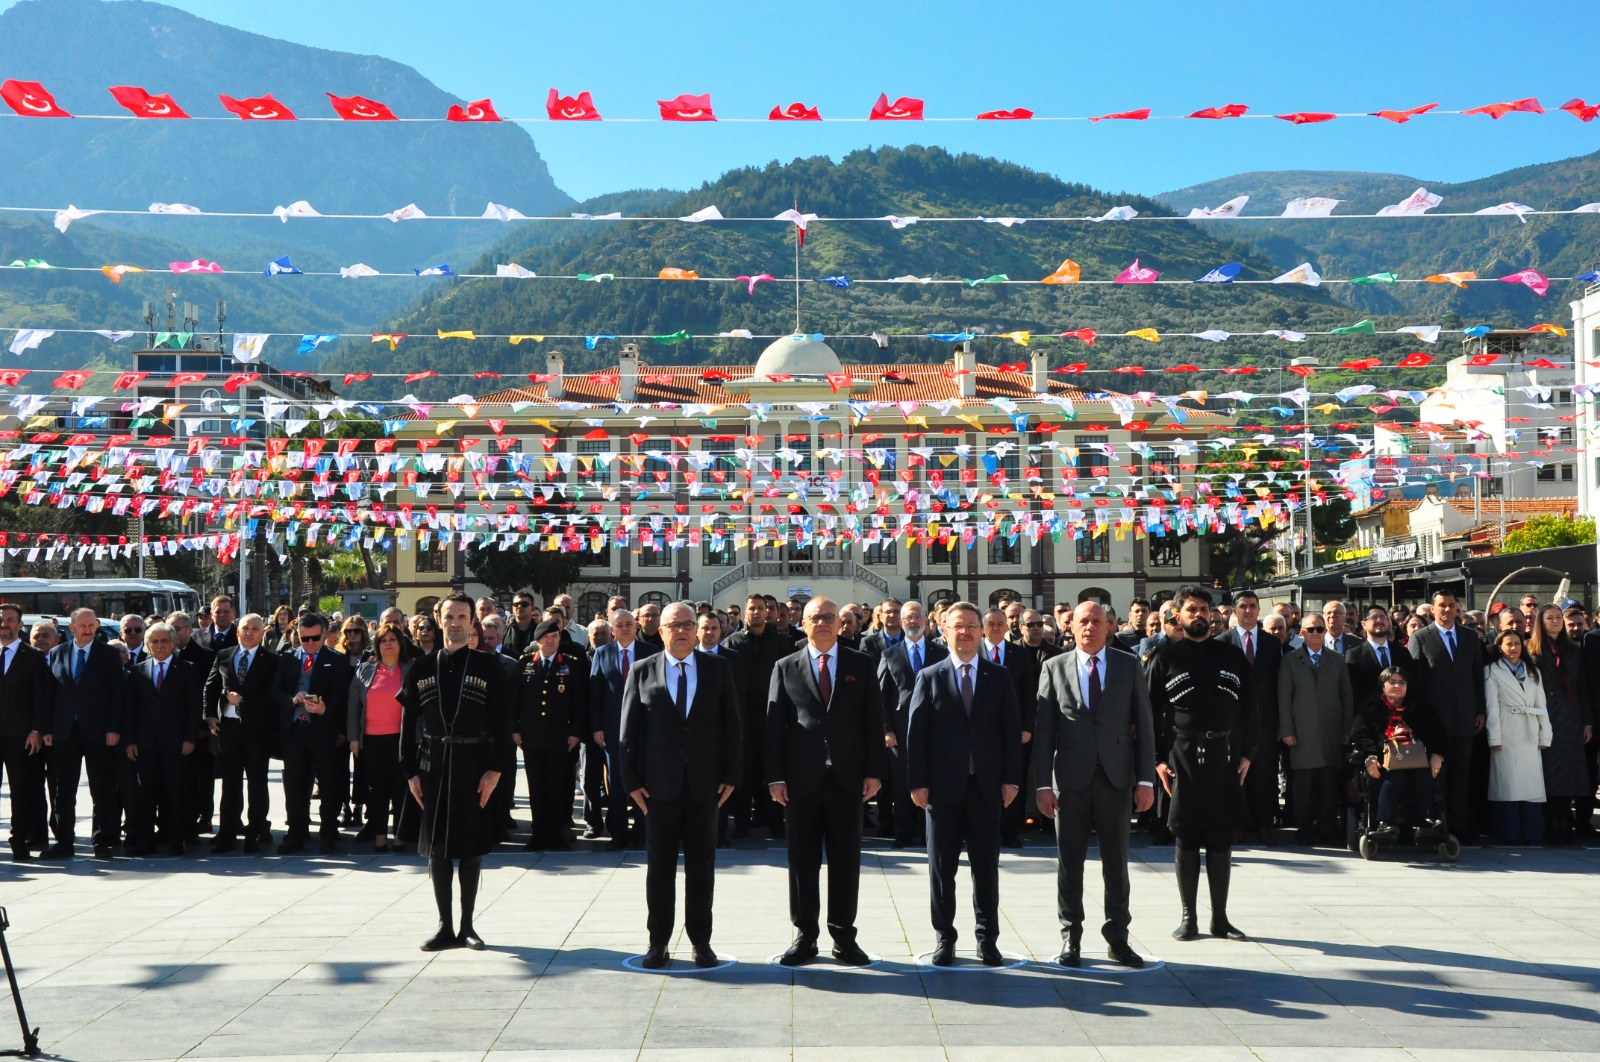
pixel 375 730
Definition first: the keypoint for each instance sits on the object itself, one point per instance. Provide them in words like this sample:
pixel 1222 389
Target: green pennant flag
pixel 676 337
pixel 997 278
pixel 32 263
pixel 1360 328
pixel 1376 278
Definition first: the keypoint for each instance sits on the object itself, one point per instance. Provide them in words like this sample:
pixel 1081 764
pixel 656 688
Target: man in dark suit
pixel 242 716
pixel 552 706
pixel 164 693
pixel 681 745
pixel 222 634
pixel 1265 653
pixel 1377 651
pixel 1093 760
pixel 86 728
pixel 758 646
pixel 825 757
pixel 25 691
pixel 888 633
pixel 1451 658
pixel 312 694
pixel 608 677
pixel 1334 617
pixel 201 767
pixel 964 740
pixel 897 677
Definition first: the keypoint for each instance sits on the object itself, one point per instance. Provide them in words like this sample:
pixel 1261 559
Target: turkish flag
pixel 356 377
pixel 1483 359
pixel 360 109
pixel 12 377
pixel 579 108
pixel 1415 360
pixel 1230 110
pixel 904 109
pixel 1132 116
pixel 258 108
pixel 183 379
pixel 687 108
pixel 1402 117
pixel 1019 114
pixel 1500 110
pixel 144 105
pixel 476 111
pixel 795 112
pixel 1584 112
pixel 29 99
pixel 1085 334
pixel 74 378
pixel 240 379
pixel 1307 117
pixel 128 381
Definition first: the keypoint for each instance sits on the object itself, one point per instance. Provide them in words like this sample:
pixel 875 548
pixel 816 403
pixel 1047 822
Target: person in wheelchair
pixel 1394 739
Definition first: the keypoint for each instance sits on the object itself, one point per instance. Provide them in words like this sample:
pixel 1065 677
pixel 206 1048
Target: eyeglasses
pixel 681 625
pixel 1313 630
pixel 522 604
pixel 306 639
pixel 1035 625
pixel 823 617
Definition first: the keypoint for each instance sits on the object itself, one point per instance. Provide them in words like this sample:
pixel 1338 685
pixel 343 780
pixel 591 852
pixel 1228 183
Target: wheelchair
pixel 1365 835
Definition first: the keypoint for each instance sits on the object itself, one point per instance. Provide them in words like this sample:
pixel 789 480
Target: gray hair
pixel 160 628
pixel 178 617
pixel 80 612
pixel 253 617
pixel 623 613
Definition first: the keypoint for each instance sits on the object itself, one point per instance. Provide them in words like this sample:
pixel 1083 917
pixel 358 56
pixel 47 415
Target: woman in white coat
pixel 1519 727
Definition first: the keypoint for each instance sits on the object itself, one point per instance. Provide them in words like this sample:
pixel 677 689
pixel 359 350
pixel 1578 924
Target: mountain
pixel 355 167
pixel 910 181
pixel 1420 247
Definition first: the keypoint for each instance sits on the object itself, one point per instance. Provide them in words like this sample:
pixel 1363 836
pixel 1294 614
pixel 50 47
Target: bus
pixel 110 598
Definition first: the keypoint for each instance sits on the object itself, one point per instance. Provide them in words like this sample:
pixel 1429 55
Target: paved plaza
pixel 316 958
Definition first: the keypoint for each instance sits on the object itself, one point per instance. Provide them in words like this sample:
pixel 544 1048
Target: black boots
pixel 1219 869
pixel 439 874
pixel 471 871
pixel 1187 861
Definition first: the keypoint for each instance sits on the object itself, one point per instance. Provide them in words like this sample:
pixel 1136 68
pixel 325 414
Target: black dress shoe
pixel 367 832
pixel 468 938
pixel 655 958
pixel 21 855
pixel 265 836
pixel 58 850
pixel 291 845
pixel 990 955
pixel 1121 953
pixel 1187 930
pixel 221 847
pixel 251 846
pixel 591 834
pixel 851 954
pixel 704 957
pixel 443 940
pixel 105 851
pixel 944 953
pixel 1072 955
pixel 327 845
pixel 800 952
pixel 1226 930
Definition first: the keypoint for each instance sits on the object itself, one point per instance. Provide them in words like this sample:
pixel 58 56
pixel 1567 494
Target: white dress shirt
pixel 673 666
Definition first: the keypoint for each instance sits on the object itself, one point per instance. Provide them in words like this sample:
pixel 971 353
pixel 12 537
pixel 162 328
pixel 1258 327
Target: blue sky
pixel 1056 58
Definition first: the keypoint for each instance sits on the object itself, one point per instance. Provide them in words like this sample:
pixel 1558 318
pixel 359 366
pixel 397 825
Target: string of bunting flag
pixel 30 99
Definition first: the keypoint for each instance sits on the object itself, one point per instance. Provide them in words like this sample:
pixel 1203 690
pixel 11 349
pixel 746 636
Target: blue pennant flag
pixel 838 282
pixel 312 342
pixel 1591 276
pixel 590 341
pixel 1223 274
pixel 952 337
pixel 441 270
pixel 281 266
pixel 1477 330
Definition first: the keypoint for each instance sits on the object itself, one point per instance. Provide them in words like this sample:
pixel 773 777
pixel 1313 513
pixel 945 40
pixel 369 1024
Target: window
pixel 591 603
pixel 426 605
pixel 941 471
pixel 883 552
pixel 1166 552
pixel 214 397
pixel 1096 594
pixel 1094 549
pixel 1566 473
pixel 600 475
pixel 1004 550
pixel 939 597
pixel 588 556
pixel 1546 474
pixel 1003 595
pixel 716 553
pixel 434 560
pixel 656 554
pixel 944 552
pixel 655 597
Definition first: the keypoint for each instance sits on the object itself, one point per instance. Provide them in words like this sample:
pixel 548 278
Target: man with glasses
pixel 681 743
pixel 312 693
pixel 1377 652
pixel 888 634
pixel 524 618
pixel 220 634
pixel 824 759
pixel 649 617
pixel 608 678
pixel 87 726
pixel 1315 712
pixel 241 715
pixel 133 637
pixel 164 715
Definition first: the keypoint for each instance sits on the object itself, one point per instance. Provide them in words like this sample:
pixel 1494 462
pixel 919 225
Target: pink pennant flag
pixel 199 265
pixel 1136 274
pixel 1535 280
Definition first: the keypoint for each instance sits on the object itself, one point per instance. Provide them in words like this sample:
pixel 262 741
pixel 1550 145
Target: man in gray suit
pixel 1315 711
pixel 1094 741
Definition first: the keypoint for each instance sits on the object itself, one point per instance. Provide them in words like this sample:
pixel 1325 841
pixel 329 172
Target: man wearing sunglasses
pixel 519 632
pixel 312 691
pixel 1315 711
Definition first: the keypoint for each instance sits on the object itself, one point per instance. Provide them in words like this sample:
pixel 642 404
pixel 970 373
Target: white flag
pixel 173 208
pixel 1231 209
pixel 710 213
pixel 1416 204
pixel 409 212
pixel 1426 333
pixel 1118 213
pixel 1285 334
pixel 247 345
pixel 116 335
pixel 899 222
pixel 360 269
pixel 1311 207
pixel 503 213
pixel 297 209
pixel 514 270
pixel 1518 209
pixel 1300 274
pixel 800 220
pixel 1212 335
pixel 598 217
pixel 29 338
pixel 68 216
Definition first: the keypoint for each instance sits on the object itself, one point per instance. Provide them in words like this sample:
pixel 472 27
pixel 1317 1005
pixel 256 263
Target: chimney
pixel 628 373
pixel 967 360
pixel 554 366
pixel 1041 373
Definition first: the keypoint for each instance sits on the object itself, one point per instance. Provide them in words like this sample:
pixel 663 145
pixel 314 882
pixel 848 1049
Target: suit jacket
pixel 257 710
pixel 672 756
pixel 207 637
pixel 1364 671
pixel 1315 707
pixel 330 679
pixel 1269 657
pixel 941 741
pixel 606 685
pixel 196 654
pixel 1128 639
pixel 25 693
pixel 1071 740
pixel 896 680
pixel 552 702
pixel 804 732
pixel 95 701
pixel 166 717
pixel 874 643
pixel 1029 661
pixel 1454 686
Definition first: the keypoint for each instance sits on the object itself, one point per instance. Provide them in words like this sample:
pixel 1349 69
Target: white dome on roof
pixel 797 355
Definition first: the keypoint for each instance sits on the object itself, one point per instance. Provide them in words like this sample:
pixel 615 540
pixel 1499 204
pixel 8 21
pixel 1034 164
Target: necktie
pixel 78 664
pixel 966 689
pixel 824 683
pixel 1383 657
pixel 994 653
pixel 1249 647
pixel 244 664
pixel 161 674
pixel 307 663
pixel 1094 684
pixel 625 665
pixel 683 688
pixel 1450 642
pixel 5 660
pixel 916 658
pixel 1316 661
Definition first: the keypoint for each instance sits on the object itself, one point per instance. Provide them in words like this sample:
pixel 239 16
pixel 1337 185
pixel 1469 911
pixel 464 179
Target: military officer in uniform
pixel 552 705
pixel 1202 694
pixel 456 709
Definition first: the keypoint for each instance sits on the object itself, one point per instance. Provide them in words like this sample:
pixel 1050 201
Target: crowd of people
pixel 1207 720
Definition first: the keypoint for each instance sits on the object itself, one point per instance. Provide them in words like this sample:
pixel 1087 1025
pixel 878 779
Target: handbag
pixel 1404 757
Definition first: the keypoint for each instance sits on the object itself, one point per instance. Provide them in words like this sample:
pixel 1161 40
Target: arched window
pixel 426 605
pixel 655 597
pixel 1094 593
pixel 1003 595
pixel 591 603
pixel 940 596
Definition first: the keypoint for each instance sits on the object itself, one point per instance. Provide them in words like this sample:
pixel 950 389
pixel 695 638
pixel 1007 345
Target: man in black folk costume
pixel 457 707
pixel 1202 694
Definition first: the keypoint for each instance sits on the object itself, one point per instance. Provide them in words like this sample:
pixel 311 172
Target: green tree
pixel 1549 531
pixel 545 572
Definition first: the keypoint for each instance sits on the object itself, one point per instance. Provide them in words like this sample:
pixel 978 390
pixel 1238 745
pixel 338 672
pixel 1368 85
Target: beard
pixel 1197 628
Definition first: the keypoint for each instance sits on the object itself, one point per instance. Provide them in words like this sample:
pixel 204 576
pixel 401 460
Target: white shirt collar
pixel 833 654
pixel 674 661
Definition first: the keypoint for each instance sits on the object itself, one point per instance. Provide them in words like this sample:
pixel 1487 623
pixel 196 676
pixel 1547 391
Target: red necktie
pixel 824 683
pixel 1249 647
pixel 994 654
pixel 625 665
pixel 307 663
pixel 161 674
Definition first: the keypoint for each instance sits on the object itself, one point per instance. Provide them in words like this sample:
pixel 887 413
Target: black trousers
pixel 907 817
pixel 70 758
pixel 1316 791
pixel 243 752
pixel 310 756
pixel 1458 785
pixel 385 787
pixel 25 779
pixel 592 771
pixel 619 806
pixel 549 793
pixel 1261 790
pixel 973 822
pixel 200 766
pixel 689 825
pixel 1013 818
pixel 752 802
pixel 1106 810
pixel 165 803
pixel 828 820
